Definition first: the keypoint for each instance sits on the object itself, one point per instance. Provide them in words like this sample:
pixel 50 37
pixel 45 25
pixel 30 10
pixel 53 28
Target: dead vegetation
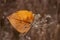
pixel 46 25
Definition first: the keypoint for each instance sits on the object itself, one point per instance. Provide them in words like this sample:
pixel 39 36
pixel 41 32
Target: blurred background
pixel 46 25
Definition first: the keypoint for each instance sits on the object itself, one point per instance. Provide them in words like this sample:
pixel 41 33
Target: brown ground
pixel 46 25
